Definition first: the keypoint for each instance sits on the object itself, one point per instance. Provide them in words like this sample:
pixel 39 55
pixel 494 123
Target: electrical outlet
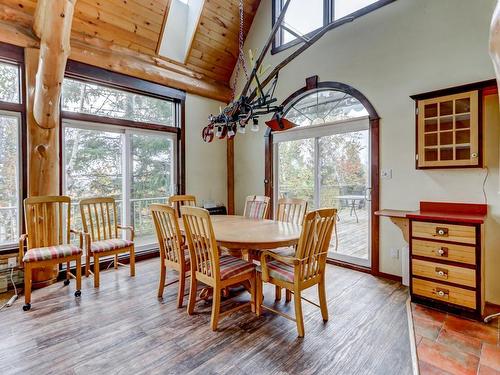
pixel 395 253
pixel 386 174
pixel 12 262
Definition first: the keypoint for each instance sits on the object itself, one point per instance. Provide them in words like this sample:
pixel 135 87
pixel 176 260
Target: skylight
pixel 179 29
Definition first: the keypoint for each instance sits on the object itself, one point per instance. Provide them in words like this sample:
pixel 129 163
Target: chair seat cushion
pixel 281 271
pixel 284 251
pixel 109 245
pixel 51 252
pixel 231 266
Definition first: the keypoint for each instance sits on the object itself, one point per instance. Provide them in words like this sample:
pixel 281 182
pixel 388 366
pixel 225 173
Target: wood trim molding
pixel 456 89
pixel 230 177
pixel 94 74
pixel 374 120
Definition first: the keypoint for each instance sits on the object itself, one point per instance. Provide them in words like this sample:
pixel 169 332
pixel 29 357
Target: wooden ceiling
pixel 136 26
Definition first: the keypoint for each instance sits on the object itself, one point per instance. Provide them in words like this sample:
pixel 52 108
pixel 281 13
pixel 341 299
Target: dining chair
pixel 173 255
pixel 48 226
pixel 177 201
pixel 211 268
pixel 305 269
pixel 256 207
pixel 289 210
pixel 101 231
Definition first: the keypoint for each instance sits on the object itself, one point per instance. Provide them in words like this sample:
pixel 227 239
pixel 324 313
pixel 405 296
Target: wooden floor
pixel 123 328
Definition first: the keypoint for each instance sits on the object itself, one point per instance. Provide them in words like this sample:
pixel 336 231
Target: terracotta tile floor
pixel 447 344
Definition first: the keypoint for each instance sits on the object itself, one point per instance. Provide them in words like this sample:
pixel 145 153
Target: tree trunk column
pixel 43 157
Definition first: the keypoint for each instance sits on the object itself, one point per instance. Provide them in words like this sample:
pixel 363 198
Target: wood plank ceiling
pixel 136 25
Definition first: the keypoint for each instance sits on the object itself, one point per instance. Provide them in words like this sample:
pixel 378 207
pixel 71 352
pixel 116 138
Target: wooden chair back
pixel 256 207
pixel 48 220
pixel 291 210
pixel 168 233
pixel 99 218
pixel 201 242
pixel 177 201
pixel 312 249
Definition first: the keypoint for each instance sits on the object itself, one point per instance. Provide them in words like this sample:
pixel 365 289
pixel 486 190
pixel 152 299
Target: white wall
pixel 205 163
pixel 405 48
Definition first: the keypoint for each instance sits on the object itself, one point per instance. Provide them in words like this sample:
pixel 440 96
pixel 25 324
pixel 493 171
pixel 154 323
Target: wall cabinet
pixel 448 131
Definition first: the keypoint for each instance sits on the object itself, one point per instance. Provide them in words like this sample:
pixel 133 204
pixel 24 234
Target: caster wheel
pixel 27 306
pixel 66 282
pixel 78 293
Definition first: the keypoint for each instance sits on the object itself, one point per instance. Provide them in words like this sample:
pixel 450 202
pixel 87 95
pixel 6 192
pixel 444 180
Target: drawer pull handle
pixel 442 293
pixel 442 272
pixel 442 252
pixel 440 231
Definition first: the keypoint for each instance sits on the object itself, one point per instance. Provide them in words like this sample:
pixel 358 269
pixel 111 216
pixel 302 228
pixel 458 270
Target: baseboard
pixel 388 276
pixel 354 267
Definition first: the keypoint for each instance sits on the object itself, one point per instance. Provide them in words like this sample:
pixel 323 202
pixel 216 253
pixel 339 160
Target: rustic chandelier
pixel 261 101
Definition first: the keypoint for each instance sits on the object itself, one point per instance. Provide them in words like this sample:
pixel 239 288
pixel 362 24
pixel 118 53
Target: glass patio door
pixel 329 166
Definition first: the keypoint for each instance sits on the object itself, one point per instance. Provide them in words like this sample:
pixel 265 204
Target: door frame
pixel 312 85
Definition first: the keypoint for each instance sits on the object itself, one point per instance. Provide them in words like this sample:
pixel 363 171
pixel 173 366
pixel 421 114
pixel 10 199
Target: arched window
pixel 324 106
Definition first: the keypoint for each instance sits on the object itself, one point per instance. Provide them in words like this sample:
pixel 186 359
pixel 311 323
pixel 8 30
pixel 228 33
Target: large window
pixel 10 154
pixel 121 159
pixel 304 18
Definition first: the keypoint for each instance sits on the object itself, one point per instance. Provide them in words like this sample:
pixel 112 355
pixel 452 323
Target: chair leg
pixel 78 277
pixel 116 262
pixel 298 312
pixel 288 295
pixel 96 271
pixel 278 293
pixel 192 293
pixel 68 274
pixel 322 300
pixel 163 277
pixel 182 284
pixel 258 294
pixel 132 262
pixel 27 286
pixel 214 321
pixel 253 289
pixel 87 265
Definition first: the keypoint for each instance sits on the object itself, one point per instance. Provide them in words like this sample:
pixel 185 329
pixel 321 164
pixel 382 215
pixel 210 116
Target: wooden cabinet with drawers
pixel 446 261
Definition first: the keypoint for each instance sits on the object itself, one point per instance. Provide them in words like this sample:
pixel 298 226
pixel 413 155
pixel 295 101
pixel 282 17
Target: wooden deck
pixel 352 235
pixel 123 328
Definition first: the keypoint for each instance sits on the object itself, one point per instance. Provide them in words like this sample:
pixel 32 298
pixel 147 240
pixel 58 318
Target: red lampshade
pixel 279 124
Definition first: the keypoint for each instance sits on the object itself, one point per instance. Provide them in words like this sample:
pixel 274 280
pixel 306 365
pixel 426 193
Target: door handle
pixel 368 194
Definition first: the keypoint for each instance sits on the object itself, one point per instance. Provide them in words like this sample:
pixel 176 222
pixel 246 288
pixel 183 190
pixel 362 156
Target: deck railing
pixel 9 226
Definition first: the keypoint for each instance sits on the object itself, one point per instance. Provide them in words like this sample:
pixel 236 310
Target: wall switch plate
pixel 395 253
pixel 12 262
pixel 386 174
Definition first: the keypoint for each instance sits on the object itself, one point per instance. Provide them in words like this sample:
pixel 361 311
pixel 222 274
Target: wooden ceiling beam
pixel 52 24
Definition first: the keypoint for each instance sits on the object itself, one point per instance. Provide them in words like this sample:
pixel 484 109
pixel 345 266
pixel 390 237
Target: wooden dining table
pixel 242 233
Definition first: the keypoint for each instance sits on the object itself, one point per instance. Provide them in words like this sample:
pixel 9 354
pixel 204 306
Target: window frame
pixel 126 134
pixel 95 75
pixel 328 20
pixel 14 55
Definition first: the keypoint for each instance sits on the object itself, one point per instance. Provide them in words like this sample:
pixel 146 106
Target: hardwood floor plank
pixel 123 328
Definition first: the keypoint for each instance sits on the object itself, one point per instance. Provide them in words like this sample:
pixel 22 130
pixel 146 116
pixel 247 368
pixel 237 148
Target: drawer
pixel 446 232
pixel 444 293
pixel 439 250
pixel 444 272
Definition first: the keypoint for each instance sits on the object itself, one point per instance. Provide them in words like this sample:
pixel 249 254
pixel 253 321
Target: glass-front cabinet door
pixel 448 131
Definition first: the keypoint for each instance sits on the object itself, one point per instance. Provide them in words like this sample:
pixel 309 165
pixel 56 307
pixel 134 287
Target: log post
pixel 52 24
